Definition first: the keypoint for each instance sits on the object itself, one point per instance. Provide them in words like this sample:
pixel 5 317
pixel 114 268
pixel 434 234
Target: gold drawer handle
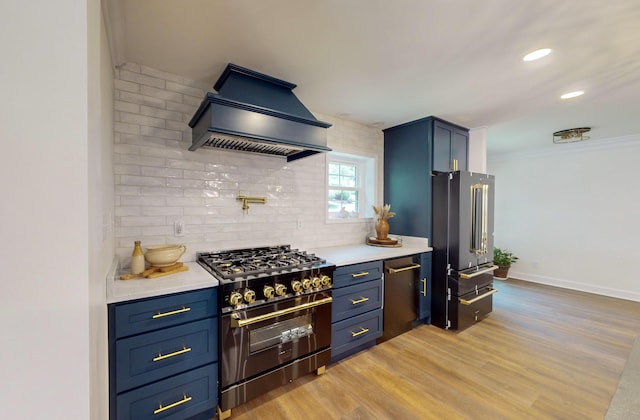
pixel 175 404
pixel 424 287
pixel 364 273
pixel 479 272
pixel 362 331
pixel 175 353
pixel 399 270
pixel 477 298
pixel 361 300
pixel 176 312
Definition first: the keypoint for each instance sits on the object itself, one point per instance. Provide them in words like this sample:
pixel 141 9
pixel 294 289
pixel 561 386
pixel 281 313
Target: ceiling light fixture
pixel 571 135
pixel 572 94
pixel 535 55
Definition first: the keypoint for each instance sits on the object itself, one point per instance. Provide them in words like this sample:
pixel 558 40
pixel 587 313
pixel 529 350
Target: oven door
pixel 256 340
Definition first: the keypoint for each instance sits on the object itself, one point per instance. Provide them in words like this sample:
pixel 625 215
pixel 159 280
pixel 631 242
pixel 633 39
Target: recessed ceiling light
pixel 572 94
pixel 536 54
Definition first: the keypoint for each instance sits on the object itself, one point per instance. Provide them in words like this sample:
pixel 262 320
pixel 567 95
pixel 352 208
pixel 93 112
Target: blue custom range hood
pixel 254 112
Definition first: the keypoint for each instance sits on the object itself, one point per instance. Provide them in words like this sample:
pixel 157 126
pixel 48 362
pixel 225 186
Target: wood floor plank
pixel 544 353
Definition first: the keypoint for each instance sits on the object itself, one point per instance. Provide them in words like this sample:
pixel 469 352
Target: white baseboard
pixel 573 285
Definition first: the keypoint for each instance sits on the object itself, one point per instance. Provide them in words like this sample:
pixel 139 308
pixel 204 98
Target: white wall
pixel 44 356
pixel 478 150
pixel 101 203
pixel 159 181
pixel 571 215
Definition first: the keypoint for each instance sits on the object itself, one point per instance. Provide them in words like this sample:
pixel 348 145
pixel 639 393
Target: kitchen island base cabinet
pixel 163 355
pixel 356 312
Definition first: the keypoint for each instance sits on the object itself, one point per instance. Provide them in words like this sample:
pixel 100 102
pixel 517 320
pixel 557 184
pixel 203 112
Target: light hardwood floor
pixel 544 353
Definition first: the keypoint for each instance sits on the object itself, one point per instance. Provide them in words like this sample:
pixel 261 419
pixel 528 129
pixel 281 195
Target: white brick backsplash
pixel 161 94
pixel 159 181
pixel 141 79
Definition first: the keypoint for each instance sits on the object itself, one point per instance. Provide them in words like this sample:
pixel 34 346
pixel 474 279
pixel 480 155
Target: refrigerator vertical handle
pixel 479 219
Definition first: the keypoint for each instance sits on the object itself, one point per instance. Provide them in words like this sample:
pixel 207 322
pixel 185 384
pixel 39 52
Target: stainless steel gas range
pixel 275 318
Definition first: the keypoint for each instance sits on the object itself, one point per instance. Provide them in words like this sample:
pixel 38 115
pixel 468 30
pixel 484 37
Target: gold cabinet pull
pixel 175 404
pixel 175 353
pixel 477 273
pixel 239 323
pixel 477 298
pixel 424 286
pixel 177 311
pixel 399 270
pixel 364 273
pixel 362 331
pixel 361 300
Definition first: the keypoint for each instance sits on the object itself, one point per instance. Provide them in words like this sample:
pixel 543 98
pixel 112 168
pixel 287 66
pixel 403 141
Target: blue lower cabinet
pixel 163 357
pixel 356 311
pixel 156 355
pixel 176 398
pixel 352 333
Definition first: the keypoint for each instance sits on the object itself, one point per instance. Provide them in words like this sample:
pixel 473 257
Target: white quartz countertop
pixel 123 290
pixel 198 278
pixel 357 253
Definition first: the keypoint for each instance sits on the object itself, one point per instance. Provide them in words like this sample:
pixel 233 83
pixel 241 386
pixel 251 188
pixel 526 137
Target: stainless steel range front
pixel 275 318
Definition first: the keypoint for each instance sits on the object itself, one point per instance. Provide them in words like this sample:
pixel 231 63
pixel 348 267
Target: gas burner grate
pixel 257 261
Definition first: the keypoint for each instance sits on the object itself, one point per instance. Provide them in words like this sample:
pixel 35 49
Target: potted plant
pixel 503 259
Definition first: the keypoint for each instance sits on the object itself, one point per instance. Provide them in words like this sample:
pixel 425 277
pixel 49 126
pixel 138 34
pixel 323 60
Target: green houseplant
pixel 503 259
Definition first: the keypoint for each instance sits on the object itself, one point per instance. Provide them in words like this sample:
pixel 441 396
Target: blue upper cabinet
pixel 450 147
pixel 412 151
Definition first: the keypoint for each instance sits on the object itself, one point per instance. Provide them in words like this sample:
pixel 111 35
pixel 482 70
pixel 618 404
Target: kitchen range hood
pixel 254 112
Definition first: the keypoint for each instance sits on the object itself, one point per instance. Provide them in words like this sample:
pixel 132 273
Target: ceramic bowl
pixel 164 255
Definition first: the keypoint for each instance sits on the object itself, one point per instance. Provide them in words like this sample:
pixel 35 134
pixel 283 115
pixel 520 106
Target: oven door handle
pixel 477 273
pixel 239 323
pixel 477 298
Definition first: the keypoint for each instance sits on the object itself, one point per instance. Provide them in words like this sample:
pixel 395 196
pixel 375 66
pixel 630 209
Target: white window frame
pixel 366 185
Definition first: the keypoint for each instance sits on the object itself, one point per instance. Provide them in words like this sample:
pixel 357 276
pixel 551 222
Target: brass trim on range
pixel 175 404
pixel 161 356
pixel 176 312
pixel 361 300
pixel 239 323
pixel 362 331
pixel 477 298
pixel 399 270
pixel 477 273
pixel 364 273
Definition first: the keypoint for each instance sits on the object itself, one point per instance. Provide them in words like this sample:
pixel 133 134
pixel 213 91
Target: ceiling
pixel 384 62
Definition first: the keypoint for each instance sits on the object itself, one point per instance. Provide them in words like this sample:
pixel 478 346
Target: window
pixel 350 186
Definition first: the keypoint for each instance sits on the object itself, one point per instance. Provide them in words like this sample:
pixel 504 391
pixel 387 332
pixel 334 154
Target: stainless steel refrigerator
pixel 462 230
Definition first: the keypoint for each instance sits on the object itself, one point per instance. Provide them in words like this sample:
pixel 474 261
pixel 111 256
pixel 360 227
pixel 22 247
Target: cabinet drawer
pixel 355 331
pixel 357 273
pixel 176 398
pixel 151 314
pixel 357 299
pixel 148 357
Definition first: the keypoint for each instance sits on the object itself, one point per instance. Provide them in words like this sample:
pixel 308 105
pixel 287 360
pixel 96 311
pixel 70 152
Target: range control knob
pixel 306 283
pixel 235 298
pixel 249 296
pixel 296 286
pixel 325 280
pixel 316 282
pixel 281 289
pixel 268 292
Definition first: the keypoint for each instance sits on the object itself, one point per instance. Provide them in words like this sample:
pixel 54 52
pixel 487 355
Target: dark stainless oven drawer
pixel 355 331
pixel 357 273
pixel 463 282
pixel 357 299
pixel 175 398
pixel 154 313
pixel 468 309
pixel 156 355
